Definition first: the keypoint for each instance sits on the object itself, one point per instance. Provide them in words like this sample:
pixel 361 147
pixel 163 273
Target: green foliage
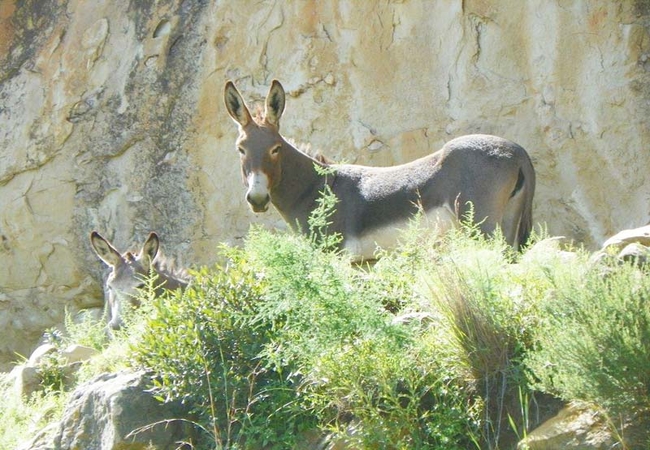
pixel 593 343
pixel 444 343
pixel 52 373
pixel 376 394
pixel 486 323
pixel 85 330
pixel 22 418
pixel 286 337
pixel 204 350
pixel 354 362
pixel 319 219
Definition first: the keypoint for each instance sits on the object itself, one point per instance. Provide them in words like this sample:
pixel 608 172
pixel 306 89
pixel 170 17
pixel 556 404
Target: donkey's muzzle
pixel 258 205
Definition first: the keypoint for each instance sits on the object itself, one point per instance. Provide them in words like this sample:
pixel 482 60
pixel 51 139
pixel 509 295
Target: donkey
pixel 492 175
pixel 129 270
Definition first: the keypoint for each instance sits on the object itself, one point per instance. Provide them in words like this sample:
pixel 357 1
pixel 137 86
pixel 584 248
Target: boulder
pixel 75 353
pixel 551 248
pixel 582 427
pixel 27 377
pixel 574 427
pixel 38 356
pixel 26 380
pixel 631 245
pixel 635 253
pixel 115 412
pixel 620 240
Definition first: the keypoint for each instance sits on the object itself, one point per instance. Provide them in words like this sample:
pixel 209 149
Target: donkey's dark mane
pixel 307 150
pixel 260 119
pixel 163 265
pixel 168 267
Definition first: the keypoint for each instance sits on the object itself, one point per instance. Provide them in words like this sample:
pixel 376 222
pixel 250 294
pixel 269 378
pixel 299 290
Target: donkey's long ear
pixel 274 104
pixel 150 249
pixel 235 105
pixel 105 250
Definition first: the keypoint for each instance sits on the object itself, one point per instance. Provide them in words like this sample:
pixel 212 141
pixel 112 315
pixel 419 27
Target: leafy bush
pixel 593 342
pixel 85 330
pixel 22 418
pixel 204 350
pixel 442 344
pixel 486 322
pixel 369 380
pixel 286 337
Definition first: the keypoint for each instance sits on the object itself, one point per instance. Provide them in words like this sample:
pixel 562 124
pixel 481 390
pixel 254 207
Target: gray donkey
pixel 492 174
pixel 129 270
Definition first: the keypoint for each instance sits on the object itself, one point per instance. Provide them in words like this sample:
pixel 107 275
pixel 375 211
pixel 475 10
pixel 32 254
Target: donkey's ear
pixel 150 249
pixel 105 250
pixel 235 105
pixel 274 104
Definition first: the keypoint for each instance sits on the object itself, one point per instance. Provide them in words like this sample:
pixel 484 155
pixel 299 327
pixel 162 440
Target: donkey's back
pixel 492 176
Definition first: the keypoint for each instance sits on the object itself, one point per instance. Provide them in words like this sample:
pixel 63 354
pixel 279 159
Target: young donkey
pixel 129 270
pixel 493 175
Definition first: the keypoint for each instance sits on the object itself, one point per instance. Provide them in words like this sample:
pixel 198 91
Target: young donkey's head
pixel 259 143
pixel 128 272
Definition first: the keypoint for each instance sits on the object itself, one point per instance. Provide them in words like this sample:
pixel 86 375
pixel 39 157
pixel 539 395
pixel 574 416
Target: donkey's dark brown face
pixel 259 144
pixel 260 151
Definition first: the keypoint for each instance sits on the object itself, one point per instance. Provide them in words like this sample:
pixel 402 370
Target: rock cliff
pixel 111 117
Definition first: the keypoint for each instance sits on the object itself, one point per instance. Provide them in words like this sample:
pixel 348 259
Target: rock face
pixel 111 118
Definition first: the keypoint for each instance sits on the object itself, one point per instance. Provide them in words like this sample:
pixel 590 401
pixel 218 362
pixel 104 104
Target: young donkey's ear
pixel 105 250
pixel 150 249
pixel 235 105
pixel 274 104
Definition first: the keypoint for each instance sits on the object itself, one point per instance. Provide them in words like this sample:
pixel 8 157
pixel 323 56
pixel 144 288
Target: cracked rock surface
pixel 112 118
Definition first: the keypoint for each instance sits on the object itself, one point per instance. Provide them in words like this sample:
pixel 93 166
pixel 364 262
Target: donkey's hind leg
pixel 489 218
pixel 511 221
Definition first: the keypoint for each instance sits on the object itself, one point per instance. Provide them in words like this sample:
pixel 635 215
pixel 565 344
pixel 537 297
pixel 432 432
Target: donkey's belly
pixel 364 246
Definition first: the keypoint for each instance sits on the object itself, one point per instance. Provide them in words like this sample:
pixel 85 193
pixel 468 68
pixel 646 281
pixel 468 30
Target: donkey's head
pixel 259 143
pixel 128 272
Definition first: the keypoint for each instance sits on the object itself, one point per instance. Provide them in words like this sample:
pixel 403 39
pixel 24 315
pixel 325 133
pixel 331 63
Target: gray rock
pixel 77 353
pixel 635 253
pixel 26 380
pixel 115 412
pixel 631 245
pixel 581 427
pixel 640 235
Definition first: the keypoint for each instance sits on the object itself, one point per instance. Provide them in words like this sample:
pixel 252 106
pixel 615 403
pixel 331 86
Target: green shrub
pixel 201 345
pixel 376 394
pixel 22 418
pixel 357 368
pixel 286 337
pixel 428 348
pixel 86 330
pixel 487 318
pixel 593 342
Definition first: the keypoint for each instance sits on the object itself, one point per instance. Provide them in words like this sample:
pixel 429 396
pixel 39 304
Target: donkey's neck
pixel 169 277
pixel 296 194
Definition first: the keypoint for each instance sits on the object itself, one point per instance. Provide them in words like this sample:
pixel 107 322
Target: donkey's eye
pixel 275 150
pixel 241 151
